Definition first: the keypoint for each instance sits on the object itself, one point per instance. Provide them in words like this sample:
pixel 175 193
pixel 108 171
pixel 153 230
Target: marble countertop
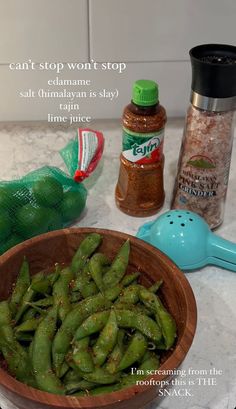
pixel 27 146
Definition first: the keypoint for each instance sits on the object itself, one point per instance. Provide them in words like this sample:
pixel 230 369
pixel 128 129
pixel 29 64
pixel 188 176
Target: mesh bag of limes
pixel 48 199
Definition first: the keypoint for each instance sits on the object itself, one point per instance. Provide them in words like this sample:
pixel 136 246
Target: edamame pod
pixel 86 248
pixel 96 264
pixel 28 314
pixel 101 376
pixel 116 354
pixel 29 325
pixel 14 354
pixel 5 313
pixel 44 302
pixel 70 362
pixel 16 357
pixel 28 296
pixel 54 275
pixel 149 364
pixel 155 287
pixel 61 293
pixel 144 370
pixel 137 308
pixel 130 278
pixel 38 310
pixel 168 325
pixel 118 267
pixel 163 318
pixel 71 376
pixel 41 355
pixel 106 340
pixel 42 286
pixel 146 325
pixel 22 283
pixel 135 351
pixel 82 279
pixel 64 369
pixel 92 324
pixel 113 292
pixel 89 289
pixel 81 355
pixel 129 295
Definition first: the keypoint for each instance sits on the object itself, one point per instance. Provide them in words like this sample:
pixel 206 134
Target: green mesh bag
pixel 43 200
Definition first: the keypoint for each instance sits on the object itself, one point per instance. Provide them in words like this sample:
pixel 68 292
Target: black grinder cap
pixel 214 70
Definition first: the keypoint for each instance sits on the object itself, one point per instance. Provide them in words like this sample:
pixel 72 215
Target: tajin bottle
pixel 140 190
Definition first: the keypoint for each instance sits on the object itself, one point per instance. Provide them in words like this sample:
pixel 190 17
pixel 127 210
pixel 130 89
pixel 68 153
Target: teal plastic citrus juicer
pixel 187 239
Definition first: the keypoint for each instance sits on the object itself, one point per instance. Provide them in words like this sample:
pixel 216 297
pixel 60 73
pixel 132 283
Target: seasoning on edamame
pixel 28 296
pixel 135 351
pixel 96 264
pixel 106 340
pixel 116 354
pixel 118 268
pixel 95 323
pixel 146 325
pixel 16 357
pixel 22 283
pixel 86 248
pixel 163 318
pixel 41 355
pixel 81 355
pixel 61 292
pixel 72 321
pixel 80 328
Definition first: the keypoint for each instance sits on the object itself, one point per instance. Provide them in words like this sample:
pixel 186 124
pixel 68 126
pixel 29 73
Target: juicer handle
pixel 221 263
pixel 221 249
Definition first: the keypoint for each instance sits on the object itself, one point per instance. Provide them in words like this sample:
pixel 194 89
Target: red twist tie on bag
pixel 90 149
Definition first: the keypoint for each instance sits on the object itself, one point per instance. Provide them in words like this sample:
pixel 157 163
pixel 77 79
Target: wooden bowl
pixel 59 246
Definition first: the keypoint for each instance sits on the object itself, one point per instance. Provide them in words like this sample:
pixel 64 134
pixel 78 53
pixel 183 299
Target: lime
pixel 13 240
pixel 21 195
pixel 72 205
pixel 5 224
pixel 54 220
pixel 5 197
pixel 47 191
pixel 31 221
pixel 14 196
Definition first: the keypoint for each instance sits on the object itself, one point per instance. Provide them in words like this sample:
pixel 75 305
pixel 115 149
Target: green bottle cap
pixel 145 93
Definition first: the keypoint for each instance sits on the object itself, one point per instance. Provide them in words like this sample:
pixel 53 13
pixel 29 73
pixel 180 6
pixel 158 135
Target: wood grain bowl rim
pixel 171 363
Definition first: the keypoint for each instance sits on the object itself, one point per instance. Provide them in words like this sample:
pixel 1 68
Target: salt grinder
pixel 205 154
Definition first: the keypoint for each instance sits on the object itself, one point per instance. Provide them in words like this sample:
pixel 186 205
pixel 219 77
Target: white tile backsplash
pixel 158 30
pixel 43 30
pixel 152 36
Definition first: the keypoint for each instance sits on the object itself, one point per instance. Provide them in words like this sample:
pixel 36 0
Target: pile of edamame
pixel 82 329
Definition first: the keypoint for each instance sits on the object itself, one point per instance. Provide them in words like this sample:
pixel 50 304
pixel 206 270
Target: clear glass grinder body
pixel 205 154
